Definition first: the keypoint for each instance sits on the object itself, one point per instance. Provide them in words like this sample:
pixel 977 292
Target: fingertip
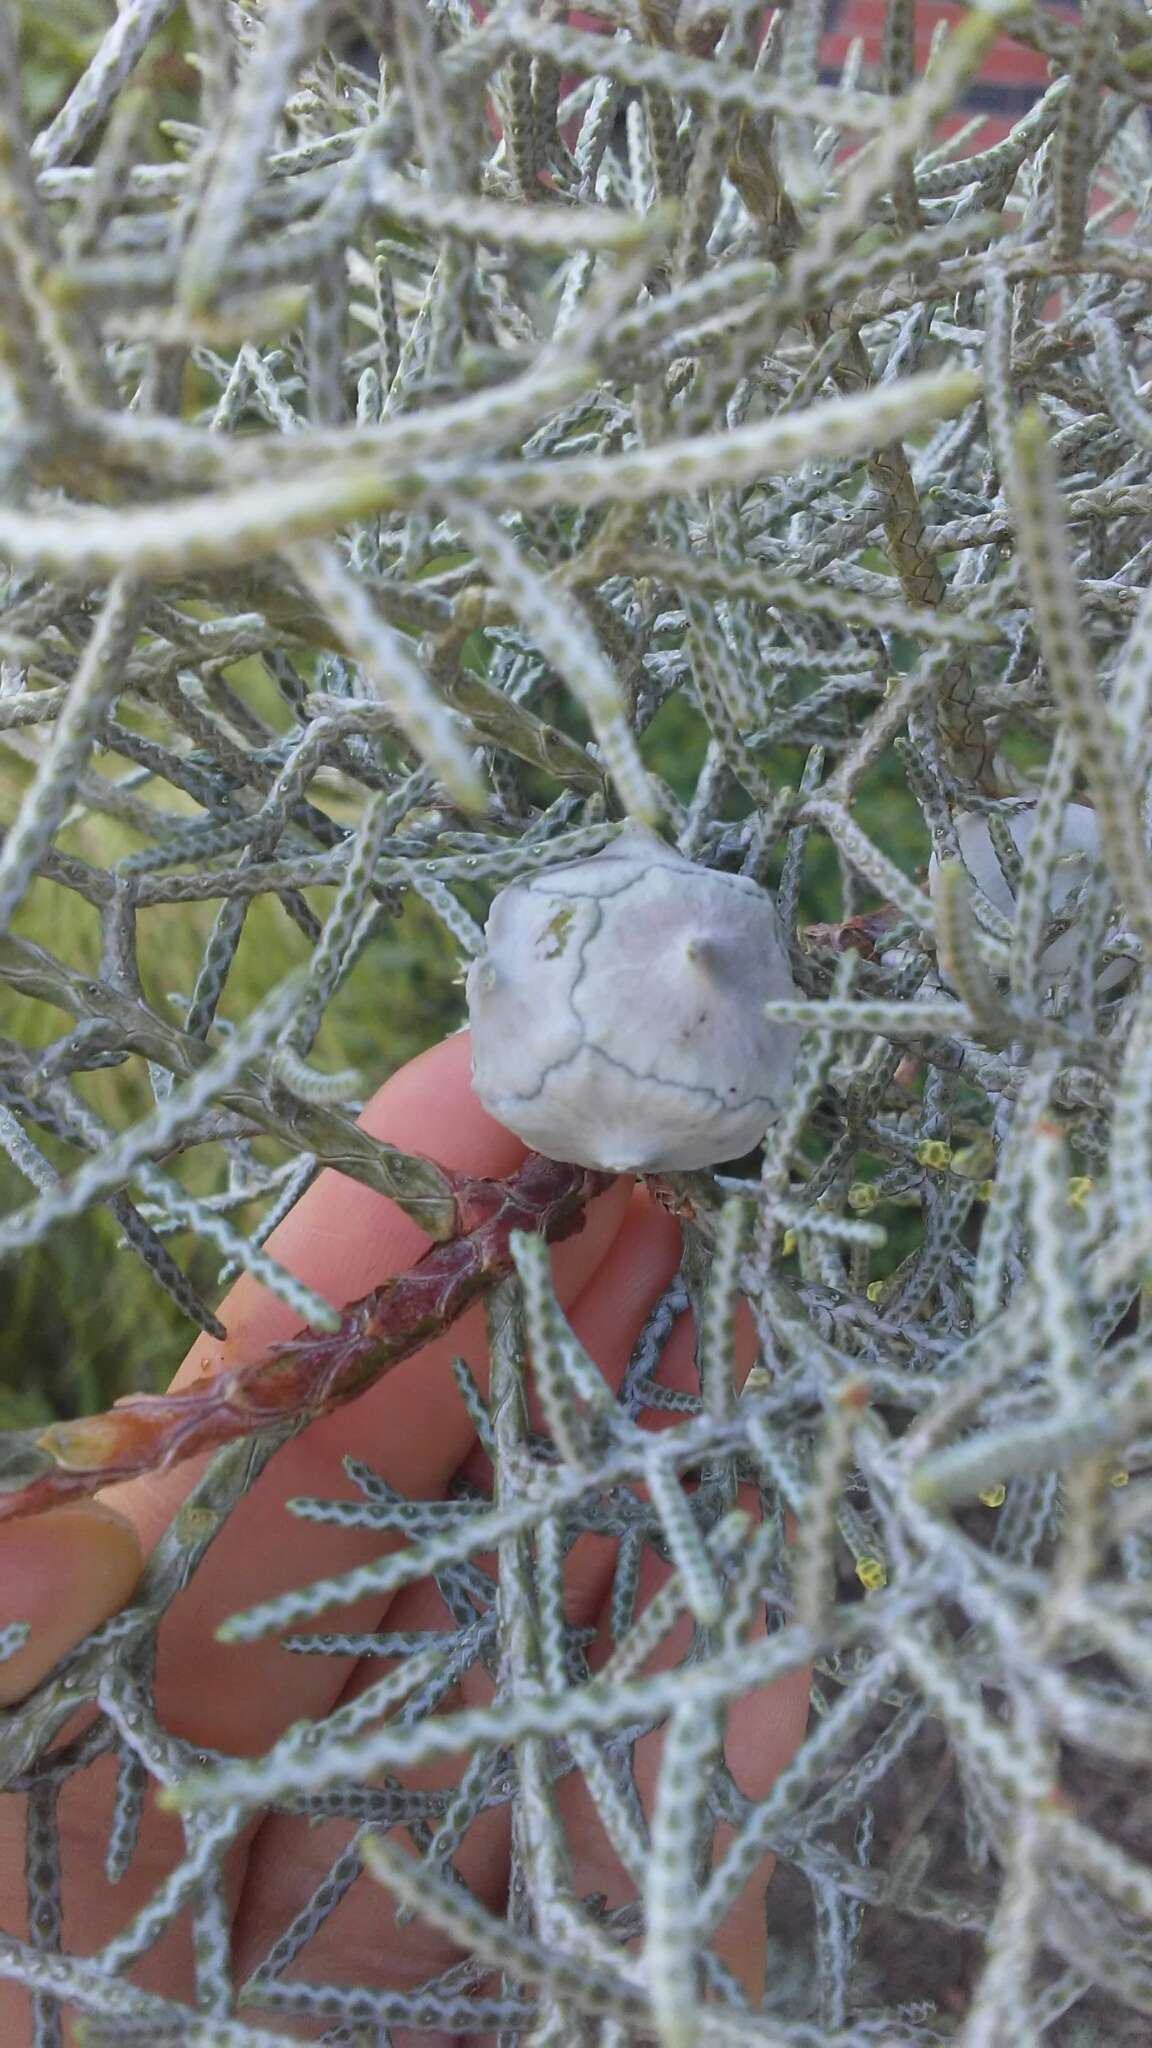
pixel 428 1106
pixel 62 1573
pixel 342 1237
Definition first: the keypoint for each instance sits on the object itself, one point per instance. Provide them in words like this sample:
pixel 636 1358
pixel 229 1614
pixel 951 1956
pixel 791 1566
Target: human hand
pixel 67 1570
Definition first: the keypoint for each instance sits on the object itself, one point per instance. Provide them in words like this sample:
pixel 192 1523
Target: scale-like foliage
pixel 464 435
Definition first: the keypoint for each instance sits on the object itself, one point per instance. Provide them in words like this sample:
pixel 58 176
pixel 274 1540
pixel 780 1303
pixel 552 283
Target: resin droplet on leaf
pixel 618 1011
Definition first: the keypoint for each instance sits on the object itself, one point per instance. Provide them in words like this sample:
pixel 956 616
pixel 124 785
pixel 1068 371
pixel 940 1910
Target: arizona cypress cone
pixel 617 1012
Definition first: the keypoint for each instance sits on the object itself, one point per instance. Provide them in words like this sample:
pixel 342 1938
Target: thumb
pixel 62 1573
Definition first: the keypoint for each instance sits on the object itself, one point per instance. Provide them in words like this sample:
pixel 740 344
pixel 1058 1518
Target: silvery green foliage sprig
pixel 390 463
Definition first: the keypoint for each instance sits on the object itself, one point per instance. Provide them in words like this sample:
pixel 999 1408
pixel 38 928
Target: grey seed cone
pixel 617 1011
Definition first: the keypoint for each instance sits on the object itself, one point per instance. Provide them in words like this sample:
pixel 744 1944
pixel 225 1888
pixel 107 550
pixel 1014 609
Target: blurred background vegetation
pixel 80 1325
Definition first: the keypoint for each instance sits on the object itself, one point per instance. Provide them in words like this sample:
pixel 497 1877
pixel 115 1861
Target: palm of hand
pixel 67 1570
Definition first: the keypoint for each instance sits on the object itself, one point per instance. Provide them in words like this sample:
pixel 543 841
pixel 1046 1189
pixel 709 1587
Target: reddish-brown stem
pixel 303 1378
